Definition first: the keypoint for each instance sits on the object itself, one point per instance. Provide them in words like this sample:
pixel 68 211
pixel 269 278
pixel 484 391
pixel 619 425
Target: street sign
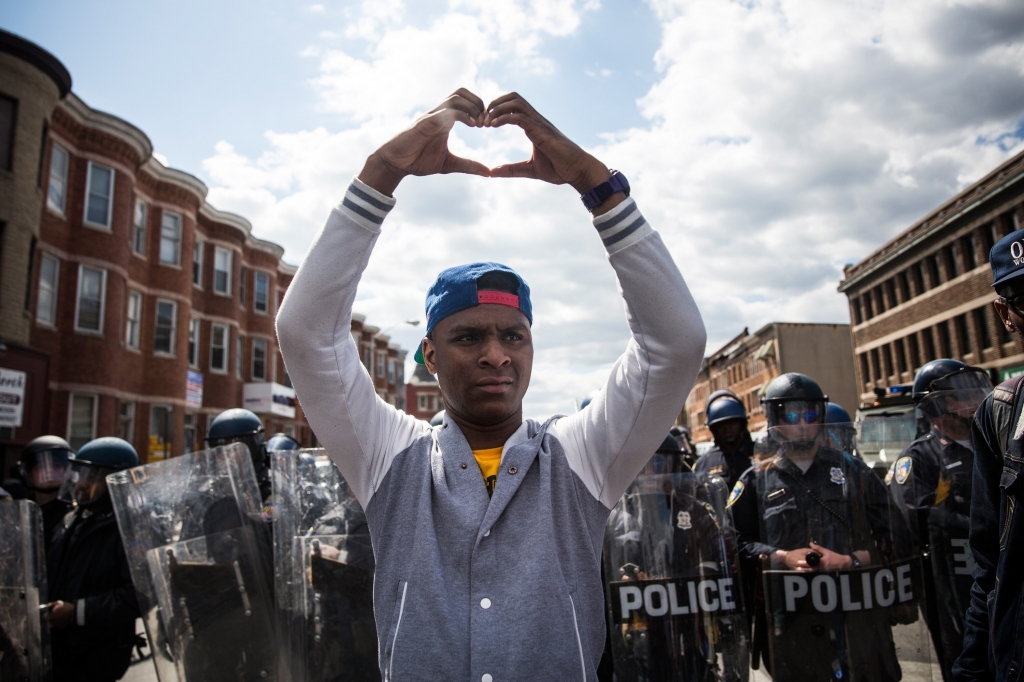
pixel 12 397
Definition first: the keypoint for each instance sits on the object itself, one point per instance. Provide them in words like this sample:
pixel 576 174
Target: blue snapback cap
pixel 467 286
pixel 1007 258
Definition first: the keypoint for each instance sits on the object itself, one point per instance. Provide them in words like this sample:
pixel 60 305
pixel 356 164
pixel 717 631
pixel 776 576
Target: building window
pixel 368 359
pixel 934 275
pixel 915 353
pixel 8 117
pixel 945 346
pixel 949 253
pixel 219 348
pixel 887 361
pixel 869 309
pixel 401 373
pixel 166 319
pixel 46 305
pixel 981 323
pixel 57 190
pixel 170 238
pixel 422 404
pixel 382 357
pixel 188 436
pixel 890 293
pixel 917 272
pixel 92 289
pixel 963 334
pixel 876 365
pixel 259 359
pixel 193 341
pixel 929 346
pixel 222 271
pixel 239 356
pixel 901 358
pixel 126 421
pixel 160 426
pixel 865 369
pixel 81 419
pixel 391 371
pixel 904 283
pixel 970 255
pixel 261 293
pixel 99 195
pixel 197 263
pixel 855 310
pixel 139 227
pixel 133 320
pixel 241 285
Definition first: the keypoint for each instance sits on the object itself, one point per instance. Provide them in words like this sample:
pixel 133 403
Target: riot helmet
pixel 669 458
pixel 44 463
pixel 85 483
pixel 794 407
pixel 948 392
pixel 727 419
pixel 239 425
pixel 437 419
pixel 282 441
pixel 840 428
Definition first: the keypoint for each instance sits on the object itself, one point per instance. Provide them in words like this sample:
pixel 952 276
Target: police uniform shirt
pixel 931 470
pixel 780 494
pixel 729 466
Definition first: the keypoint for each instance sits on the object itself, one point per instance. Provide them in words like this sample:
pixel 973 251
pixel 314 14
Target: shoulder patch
pixel 737 490
pixel 716 471
pixel 889 474
pixel 712 513
pixel 902 469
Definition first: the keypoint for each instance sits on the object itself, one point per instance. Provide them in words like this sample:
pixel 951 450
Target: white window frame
pixel 391 370
pixel 195 335
pixel 103 299
pixel 133 340
pixel 266 361
pixel 421 401
pixel 239 355
pixel 71 412
pixel 198 256
pixel 255 291
pixel 177 255
pixel 174 327
pixel 226 339
pixel 110 199
pixel 140 229
pixel 381 363
pixel 54 290
pixel 243 273
pixel 62 180
pixel 130 419
pixel 219 250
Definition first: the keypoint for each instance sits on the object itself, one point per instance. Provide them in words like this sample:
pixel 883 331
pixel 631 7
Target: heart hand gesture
pixel 423 148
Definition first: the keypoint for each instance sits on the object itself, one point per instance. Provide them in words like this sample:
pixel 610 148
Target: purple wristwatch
pixel 615 183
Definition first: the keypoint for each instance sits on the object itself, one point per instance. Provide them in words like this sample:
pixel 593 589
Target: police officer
pixel 43 464
pixel 933 479
pixel 669 458
pixel 841 432
pixel 813 508
pixel 730 456
pixel 282 441
pixel 92 615
pixel 239 425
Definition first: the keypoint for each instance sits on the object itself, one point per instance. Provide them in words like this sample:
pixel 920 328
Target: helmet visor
pixel 84 483
pixel 794 412
pixel 958 394
pixel 45 470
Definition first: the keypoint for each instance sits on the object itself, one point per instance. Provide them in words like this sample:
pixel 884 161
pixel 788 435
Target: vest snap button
pixel 463 465
pixel 512 470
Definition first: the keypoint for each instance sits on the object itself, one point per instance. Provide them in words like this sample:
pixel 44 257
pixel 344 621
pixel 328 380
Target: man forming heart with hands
pixel 487 530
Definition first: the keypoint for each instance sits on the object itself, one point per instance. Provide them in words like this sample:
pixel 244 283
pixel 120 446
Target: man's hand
pixel 556 158
pixel 60 614
pixel 423 148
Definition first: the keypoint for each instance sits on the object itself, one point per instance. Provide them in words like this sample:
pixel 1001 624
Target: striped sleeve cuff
pixel 80 612
pixel 622 226
pixel 365 205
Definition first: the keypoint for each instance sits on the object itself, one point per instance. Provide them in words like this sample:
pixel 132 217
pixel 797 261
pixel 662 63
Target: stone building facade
pixel 747 364
pixel 927 293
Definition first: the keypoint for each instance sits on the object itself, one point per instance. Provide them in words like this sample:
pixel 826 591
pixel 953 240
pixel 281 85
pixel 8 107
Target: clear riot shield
pixel 843 586
pixel 675 604
pixel 24 636
pixel 323 570
pixel 201 562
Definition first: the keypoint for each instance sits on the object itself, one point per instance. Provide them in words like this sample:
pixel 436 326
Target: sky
pixel 769 142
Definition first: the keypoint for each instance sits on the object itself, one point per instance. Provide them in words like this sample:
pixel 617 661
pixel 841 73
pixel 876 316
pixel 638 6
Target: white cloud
pixel 317 8
pixel 783 138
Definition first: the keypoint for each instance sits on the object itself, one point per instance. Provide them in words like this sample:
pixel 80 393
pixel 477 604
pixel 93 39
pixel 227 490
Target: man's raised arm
pixel 609 441
pixel 361 433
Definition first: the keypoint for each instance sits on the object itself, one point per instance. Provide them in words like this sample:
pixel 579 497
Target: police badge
pixel 838 477
pixel 904 465
pixel 737 490
pixel 683 520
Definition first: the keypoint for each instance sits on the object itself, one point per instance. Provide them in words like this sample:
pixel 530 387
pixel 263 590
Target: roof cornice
pixel 28 51
pixel 85 115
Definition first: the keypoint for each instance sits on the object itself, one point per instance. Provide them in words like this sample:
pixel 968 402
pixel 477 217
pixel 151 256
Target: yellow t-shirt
pixel 489 461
